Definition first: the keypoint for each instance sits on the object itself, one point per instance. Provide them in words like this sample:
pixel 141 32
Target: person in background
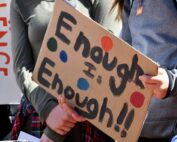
pixel 38 109
pixel 5 123
pixel 151 27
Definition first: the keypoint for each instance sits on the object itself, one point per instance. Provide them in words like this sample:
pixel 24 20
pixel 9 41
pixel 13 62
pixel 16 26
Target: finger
pixel 159 95
pixel 69 123
pixel 62 100
pixel 65 106
pixel 65 129
pixel 73 113
pixel 150 79
pixel 151 86
pixel 61 132
pixel 77 117
pixel 70 110
pixel 59 99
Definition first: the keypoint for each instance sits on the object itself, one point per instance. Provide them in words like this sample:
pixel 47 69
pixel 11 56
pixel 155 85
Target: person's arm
pixel 24 65
pixel 45 104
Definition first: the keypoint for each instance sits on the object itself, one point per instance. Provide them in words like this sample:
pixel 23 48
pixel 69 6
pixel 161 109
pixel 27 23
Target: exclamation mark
pixel 128 123
pixel 121 117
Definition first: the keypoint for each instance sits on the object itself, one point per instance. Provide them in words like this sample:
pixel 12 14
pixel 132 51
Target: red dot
pixel 106 43
pixel 137 99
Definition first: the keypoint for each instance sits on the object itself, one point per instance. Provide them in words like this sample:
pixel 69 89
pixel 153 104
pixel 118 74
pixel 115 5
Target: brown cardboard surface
pixel 96 71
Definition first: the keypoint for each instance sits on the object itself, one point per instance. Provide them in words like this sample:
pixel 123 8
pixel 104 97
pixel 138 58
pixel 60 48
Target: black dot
pixel 52 44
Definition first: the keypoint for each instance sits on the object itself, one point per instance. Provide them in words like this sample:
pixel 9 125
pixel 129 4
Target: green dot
pixel 52 44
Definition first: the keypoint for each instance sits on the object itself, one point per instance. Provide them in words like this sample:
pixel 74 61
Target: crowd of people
pixel 148 25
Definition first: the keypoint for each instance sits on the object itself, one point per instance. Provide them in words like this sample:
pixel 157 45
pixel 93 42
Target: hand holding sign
pixel 65 106
pixel 159 83
pixel 64 121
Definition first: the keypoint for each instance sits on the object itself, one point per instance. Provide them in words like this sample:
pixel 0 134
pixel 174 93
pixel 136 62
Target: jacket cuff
pixel 169 94
pixel 53 135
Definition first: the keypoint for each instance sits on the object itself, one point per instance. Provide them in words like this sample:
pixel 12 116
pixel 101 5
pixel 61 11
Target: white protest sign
pixel 9 91
pixel 23 136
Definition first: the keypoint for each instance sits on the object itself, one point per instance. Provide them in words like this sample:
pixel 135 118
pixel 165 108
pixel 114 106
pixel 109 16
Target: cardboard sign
pixel 9 91
pixel 96 71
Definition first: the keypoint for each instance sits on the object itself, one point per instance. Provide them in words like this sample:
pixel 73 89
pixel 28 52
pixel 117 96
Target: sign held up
pixel 9 91
pixel 96 72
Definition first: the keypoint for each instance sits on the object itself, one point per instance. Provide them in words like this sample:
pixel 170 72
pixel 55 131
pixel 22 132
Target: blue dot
pixel 63 56
pixel 83 84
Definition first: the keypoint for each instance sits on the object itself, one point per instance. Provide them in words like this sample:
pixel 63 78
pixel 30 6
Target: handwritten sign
pixel 9 92
pixel 96 71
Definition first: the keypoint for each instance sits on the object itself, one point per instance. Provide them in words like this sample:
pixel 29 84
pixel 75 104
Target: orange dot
pixel 106 43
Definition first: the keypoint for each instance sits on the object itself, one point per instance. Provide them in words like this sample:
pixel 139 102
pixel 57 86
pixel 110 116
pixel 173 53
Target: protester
pixel 151 27
pixel 29 20
pixel 5 123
